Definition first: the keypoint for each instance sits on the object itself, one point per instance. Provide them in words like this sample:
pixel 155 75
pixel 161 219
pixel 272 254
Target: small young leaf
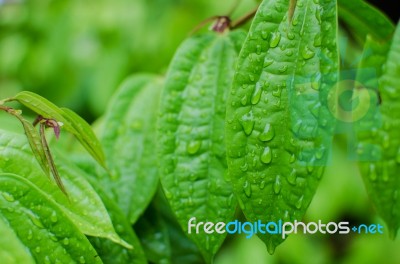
pixel 12 251
pixel 378 138
pixel 50 160
pixel 41 225
pixel 278 126
pixel 85 135
pixel 191 144
pixel 71 121
pixel 35 143
pixel 129 142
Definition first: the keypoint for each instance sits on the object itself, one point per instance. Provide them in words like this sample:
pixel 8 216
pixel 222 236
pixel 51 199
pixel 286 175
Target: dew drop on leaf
pixel 299 202
pixel 66 241
pixel 262 185
pixel 292 177
pixel 268 133
pixel 247 189
pixel 266 156
pixel 268 62
pixel 256 94
pixel 8 197
pixel 277 185
pixel 307 53
pixel 193 147
pixel 82 260
pixel 275 39
pixel 247 123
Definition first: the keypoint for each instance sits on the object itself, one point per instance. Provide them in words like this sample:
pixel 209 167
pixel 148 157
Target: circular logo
pixel 349 101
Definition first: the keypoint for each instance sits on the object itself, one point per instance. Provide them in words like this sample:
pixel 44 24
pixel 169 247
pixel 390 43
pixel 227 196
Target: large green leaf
pixel 41 225
pixel 378 136
pixel 279 128
pixel 364 19
pixel 129 143
pixel 191 144
pixel 83 206
pixel 12 250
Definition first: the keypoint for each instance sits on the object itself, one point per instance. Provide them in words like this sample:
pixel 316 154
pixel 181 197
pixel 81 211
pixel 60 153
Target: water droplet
pixel 277 185
pixel 251 77
pixel 264 34
pixel 317 40
pixel 292 158
pixel 289 53
pixel 268 133
pixel 320 153
pixel 247 189
pixel 37 249
pixel 283 69
pixel 256 94
pixel 395 195
pixel 53 217
pixel 66 241
pixel 266 156
pixel 271 247
pixel 299 202
pixel 292 178
pixel 244 167
pixel 36 221
pixel 243 101
pixel 258 49
pixel 295 20
pixel 262 185
pixel 82 260
pixel 30 235
pixel 290 35
pixel 307 53
pixel 193 147
pixel 247 123
pixel 277 92
pixel 275 39
pixel 8 197
pixel 268 62
pixel 316 81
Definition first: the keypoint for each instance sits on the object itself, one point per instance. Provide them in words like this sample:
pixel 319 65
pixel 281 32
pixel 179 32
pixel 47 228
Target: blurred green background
pixel 75 53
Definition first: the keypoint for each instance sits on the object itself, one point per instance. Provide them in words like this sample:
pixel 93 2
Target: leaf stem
pixel 244 19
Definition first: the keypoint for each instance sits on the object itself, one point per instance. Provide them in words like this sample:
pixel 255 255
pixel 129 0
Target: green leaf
pixel 364 19
pixel 152 231
pixel 85 135
pixel 191 145
pixel 279 128
pixel 71 121
pixel 129 143
pixel 378 138
pixel 41 225
pixel 84 207
pixel 12 251
pixel 35 143
pixel 161 236
pixel 113 253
